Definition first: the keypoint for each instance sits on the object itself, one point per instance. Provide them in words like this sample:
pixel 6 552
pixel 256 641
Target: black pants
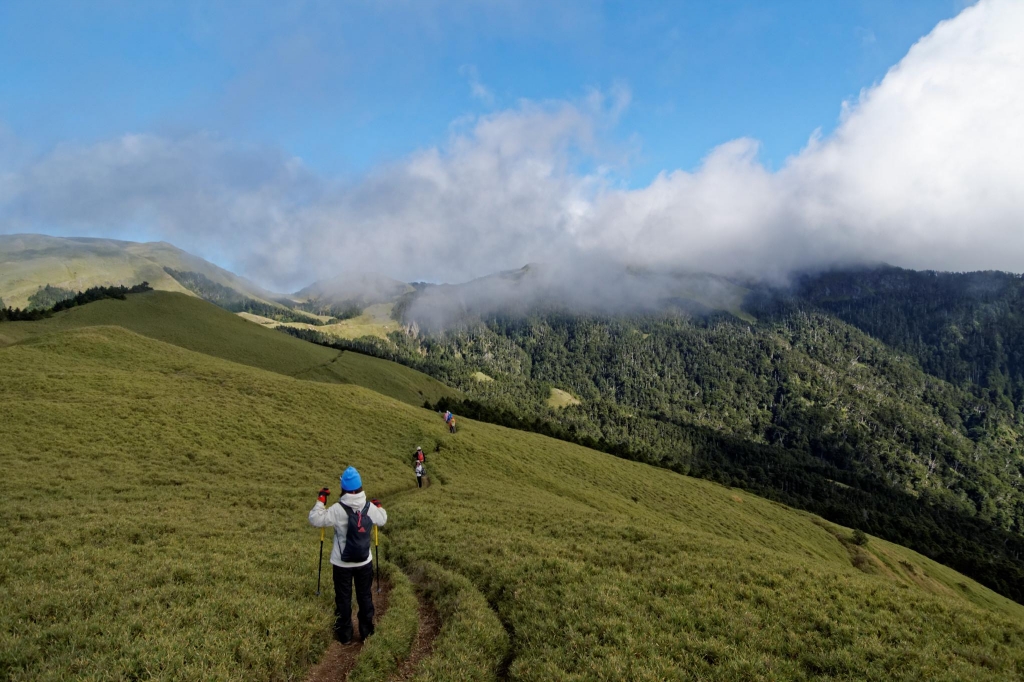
pixel 343 577
pixel 419 481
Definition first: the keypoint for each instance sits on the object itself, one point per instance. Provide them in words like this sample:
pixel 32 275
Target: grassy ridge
pixel 196 325
pixel 30 261
pixel 154 501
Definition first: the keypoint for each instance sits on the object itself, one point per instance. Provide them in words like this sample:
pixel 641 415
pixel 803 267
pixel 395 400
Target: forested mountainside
pixel 813 403
pixel 966 328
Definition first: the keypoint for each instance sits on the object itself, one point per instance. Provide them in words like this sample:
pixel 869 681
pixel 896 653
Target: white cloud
pixel 926 169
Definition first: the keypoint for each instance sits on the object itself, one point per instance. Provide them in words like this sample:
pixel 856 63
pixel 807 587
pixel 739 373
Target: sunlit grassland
pixel 200 326
pixel 154 505
pixel 375 320
pixel 559 399
pixel 30 261
pixel 154 501
pixel 613 570
pixel 21 277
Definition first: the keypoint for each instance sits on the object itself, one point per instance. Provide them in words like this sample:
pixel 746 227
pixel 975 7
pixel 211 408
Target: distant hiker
pixel 451 424
pixel 447 416
pixel 353 519
pixel 419 474
pixel 418 456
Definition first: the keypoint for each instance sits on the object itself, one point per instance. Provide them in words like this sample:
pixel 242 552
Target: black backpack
pixel 357 539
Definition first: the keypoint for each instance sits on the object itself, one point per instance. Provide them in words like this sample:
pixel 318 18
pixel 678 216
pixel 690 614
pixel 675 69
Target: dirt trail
pixel 423 645
pixel 339 658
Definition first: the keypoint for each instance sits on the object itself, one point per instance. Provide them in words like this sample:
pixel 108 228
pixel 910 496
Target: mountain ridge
pixel 31 261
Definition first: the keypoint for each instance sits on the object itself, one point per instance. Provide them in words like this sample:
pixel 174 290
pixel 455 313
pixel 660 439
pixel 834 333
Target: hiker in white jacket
pixel 353 519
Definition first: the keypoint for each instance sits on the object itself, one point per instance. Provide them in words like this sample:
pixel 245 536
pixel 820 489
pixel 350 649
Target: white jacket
pixel 326 517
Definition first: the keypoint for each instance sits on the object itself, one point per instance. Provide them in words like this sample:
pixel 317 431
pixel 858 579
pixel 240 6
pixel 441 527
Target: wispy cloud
pixel 476 88
pixel 924 170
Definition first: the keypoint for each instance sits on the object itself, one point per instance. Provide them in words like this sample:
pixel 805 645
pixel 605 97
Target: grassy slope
pixel 154 504
pixel 560 398
pixel 30 261
pixel 374 321
pixel 196 325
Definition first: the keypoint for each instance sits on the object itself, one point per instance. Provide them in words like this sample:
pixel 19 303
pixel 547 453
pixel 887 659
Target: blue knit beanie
pixel 350 480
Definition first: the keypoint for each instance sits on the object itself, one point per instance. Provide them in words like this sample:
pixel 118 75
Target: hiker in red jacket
pixel 353 519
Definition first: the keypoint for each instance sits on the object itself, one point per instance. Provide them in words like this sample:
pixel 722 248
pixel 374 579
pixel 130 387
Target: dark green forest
pixel 908 430
pixel 966 328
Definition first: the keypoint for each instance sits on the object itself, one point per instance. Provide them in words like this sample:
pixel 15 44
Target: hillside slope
pixel 30 261
pixel 784 407
pixel 196 325
pixel 155 498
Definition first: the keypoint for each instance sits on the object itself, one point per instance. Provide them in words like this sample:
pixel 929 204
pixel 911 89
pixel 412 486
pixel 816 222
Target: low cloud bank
pixel 601 287
pixel 925 170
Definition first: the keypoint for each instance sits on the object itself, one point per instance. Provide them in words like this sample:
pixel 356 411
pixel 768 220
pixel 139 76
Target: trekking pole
pixel 320 567
pixel 377 546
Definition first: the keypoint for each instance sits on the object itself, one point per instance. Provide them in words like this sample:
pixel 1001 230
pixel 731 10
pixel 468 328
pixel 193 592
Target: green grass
pixel 605 569
pixel 559 399
pixel 203 327
pixel 472 644
pixel 374 321
pixel 154 503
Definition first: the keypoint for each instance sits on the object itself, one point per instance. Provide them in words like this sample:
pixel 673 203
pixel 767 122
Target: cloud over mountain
pixel 925 169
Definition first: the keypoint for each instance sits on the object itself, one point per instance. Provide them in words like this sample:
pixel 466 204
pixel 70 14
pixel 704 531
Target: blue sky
pixel 441 141
pixel 346 86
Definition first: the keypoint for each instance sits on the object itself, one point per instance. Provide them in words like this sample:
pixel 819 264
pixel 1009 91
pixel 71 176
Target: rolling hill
pixel 154 500
pixel 203 327
pixel 31 261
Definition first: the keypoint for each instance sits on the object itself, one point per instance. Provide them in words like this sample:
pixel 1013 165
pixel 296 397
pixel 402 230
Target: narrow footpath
pixel 423 645
pixel 339 658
